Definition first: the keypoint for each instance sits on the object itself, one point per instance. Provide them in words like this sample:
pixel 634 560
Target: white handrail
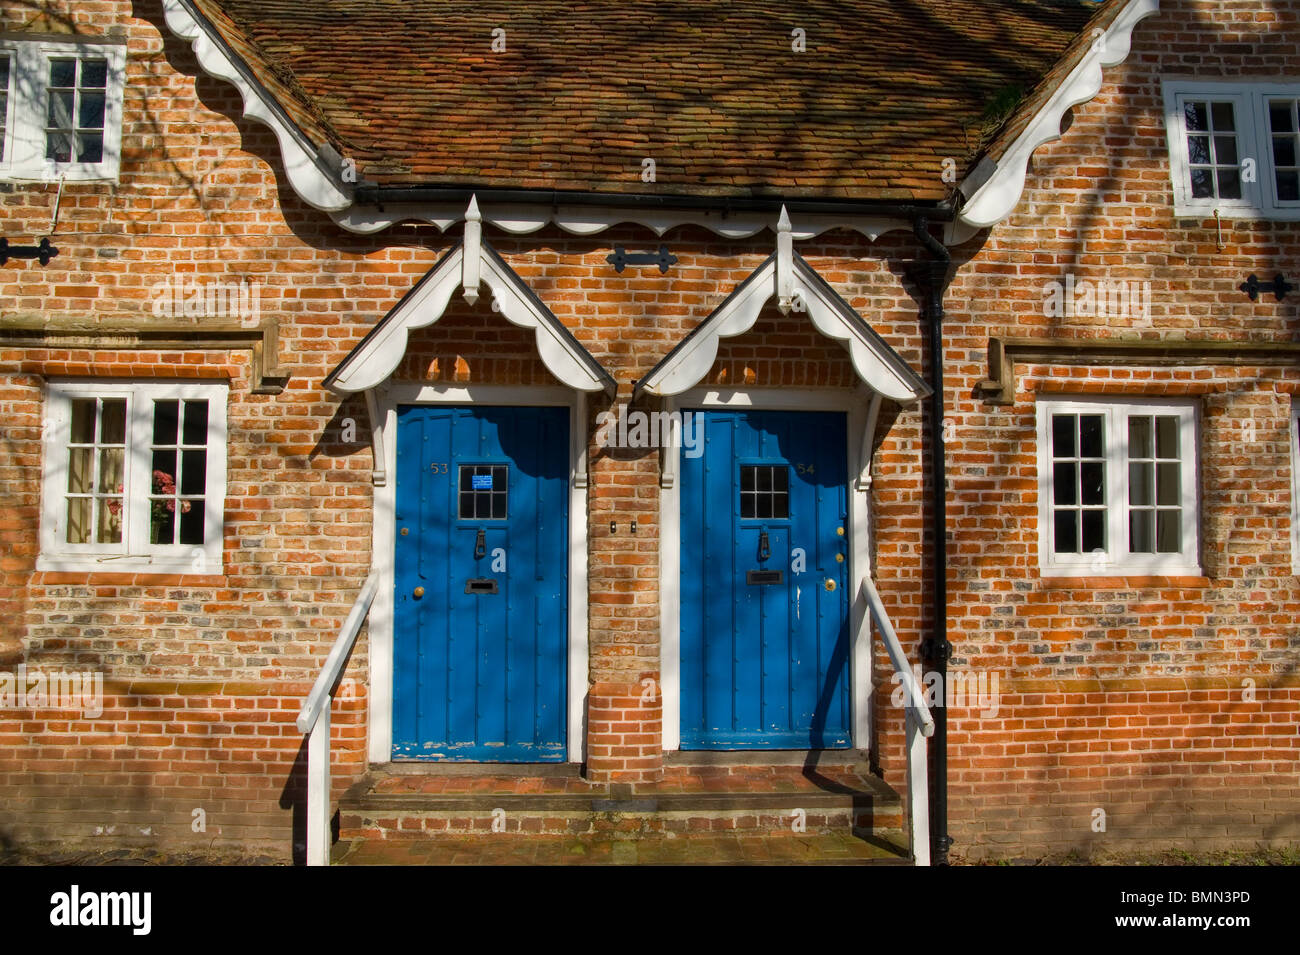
pixel 314 720
pixel 333 664
pixel 898 657
pixel 920 724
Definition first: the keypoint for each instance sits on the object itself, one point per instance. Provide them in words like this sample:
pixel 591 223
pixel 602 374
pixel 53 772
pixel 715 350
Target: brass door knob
pixel 418 591
pixel 830 584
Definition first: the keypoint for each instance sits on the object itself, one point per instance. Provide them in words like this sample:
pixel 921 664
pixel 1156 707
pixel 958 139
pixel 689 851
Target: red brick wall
pixel 1135 716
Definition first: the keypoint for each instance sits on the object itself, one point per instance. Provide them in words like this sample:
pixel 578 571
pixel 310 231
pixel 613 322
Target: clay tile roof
pixel 710 90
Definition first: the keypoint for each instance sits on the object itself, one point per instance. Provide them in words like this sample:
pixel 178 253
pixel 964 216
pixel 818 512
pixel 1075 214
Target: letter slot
pixel 481 585
pixel 757 577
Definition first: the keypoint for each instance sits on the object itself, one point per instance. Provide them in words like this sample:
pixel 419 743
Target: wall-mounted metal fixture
pixel 42 252
pixel 1279 287
pixel 613 527
pixel 634 527
pixel 620 258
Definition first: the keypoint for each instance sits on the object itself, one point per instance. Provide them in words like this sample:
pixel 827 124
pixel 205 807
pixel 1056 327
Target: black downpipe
pixel 937 649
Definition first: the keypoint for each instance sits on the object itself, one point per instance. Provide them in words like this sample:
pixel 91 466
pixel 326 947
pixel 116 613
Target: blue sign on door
pixel 480 625
pixel 764 573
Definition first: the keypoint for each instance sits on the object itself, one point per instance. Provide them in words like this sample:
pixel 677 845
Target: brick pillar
pixel 624 732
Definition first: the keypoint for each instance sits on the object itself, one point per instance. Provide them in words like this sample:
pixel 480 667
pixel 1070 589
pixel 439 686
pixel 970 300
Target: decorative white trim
pixel 380 352
pixel 852 403
pixel 387 398
pixel 525 218
pixel 307 170
pixel 878 365
pixel 996 197
pixel 1116 560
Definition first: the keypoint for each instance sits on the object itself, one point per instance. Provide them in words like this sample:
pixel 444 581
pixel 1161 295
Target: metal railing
pixel 920 724
pixel 314 720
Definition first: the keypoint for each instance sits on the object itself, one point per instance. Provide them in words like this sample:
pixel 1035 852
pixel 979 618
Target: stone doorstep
pixel 710 802
pixel 881 847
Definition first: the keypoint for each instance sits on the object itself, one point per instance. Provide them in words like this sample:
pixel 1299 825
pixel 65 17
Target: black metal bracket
pixel 480 544
pixel 42 251
pixel 764 549
pixel 620 258
pixel 936 651
pixel 1253 286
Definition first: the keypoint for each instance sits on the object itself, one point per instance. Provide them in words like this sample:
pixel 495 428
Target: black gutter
pixel 381 196
pixel 937 649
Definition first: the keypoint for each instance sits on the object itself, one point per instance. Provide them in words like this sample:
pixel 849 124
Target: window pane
pixel 94 73
pixel 110 521
pixel 83 421
pixel 113 427
pixel 1222 116
pixel 164 422
pixel 196 423
pixel 1166 437
pixel 1284 150
pixel 4 70
pixel 1168 532
pixel 1225 150
pixel 90 112
pixel 1064 480
pixel 111 461
pixel 1063 428
pixel 162 522
pixel 191 529
pixel 1169 483
pixel 764 478
pixel 483 489
pixel 164 471
pixel 1094 531
pixel 764 506
pixel 1139 437
pixel 79 520
pixel 747 479
pixel 194 472
pixel 1141 478
pixel 1280 116
pixel 1092 482
pixel 90 147
pixel 60 109
pixel 81 470
pixel 1229 184
pixel 1091 444
pixel 1202 184
pixel 63 72
pixel 1067 533
pixel 1288 186
pixel 1141 531
pixel 1198 150
pixel 58 146
pixel 1194 115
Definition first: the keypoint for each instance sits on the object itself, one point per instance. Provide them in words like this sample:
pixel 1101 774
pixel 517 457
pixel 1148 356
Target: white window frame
pixel 134 554
pixel 29 74
pixel 1117 560
pixel 1295 484
pixel 1259 199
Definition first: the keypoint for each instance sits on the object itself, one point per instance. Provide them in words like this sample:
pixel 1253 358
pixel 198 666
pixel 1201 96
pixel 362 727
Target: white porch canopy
pixel 470 263
pixel 799 288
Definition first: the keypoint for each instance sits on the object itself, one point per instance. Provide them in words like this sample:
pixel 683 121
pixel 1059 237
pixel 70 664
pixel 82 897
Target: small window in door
pixel 483 489
pixel 764 492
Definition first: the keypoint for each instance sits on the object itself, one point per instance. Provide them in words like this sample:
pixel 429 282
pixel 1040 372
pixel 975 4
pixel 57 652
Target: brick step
pixel 708 793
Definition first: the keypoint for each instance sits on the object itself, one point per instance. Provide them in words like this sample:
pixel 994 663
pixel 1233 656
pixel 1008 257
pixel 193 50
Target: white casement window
pixel 62 109
pixel 1117 488
pixel 1234 147
pixel 134 477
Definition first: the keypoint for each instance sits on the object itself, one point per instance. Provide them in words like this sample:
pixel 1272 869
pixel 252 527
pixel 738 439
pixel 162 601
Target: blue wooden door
pixel 764 573
pixel 480 626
